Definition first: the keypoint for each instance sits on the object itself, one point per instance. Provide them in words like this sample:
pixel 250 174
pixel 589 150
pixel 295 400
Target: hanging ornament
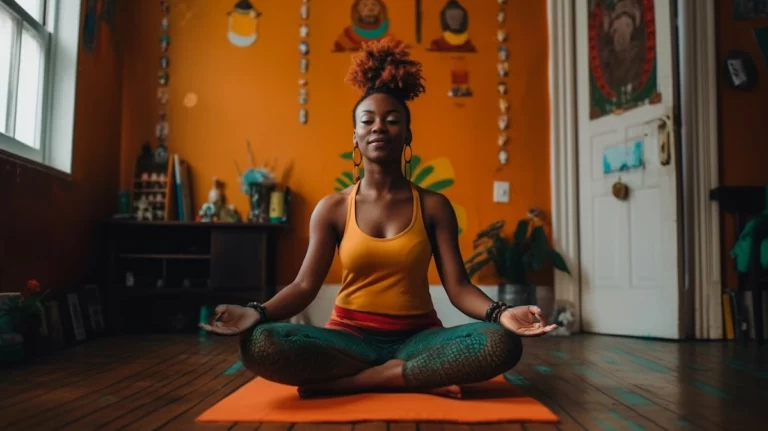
pixel 503 138
pixel 503 69
pixel 303 96
pixel 302 82
pixel 303 116
pixel 304 47
pixel 165 42
pixel 161 129
pixel 501 16
pixel 502 1
pixel 162 78
pixel 503 156
pixel 501 35
pixel 503 53
pixel 162 95
pixel 164 24
pixel 304 65
pixel 502 88
pixel 164 61
pixel 503 122
pixel 243 24
pixel 304 11
pixel 303 31
pixel 503 105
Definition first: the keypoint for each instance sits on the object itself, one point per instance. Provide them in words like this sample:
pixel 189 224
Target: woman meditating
pixel 383 334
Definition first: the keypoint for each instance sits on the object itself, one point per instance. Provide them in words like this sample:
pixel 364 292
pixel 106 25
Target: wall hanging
pixel 622 53
pixel 303 62
pixel 460 79
pixel 370 21
pixel 243 29
pixel 454 24
pixel 502 70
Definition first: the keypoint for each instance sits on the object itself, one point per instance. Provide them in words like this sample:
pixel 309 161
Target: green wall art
pixel 436 175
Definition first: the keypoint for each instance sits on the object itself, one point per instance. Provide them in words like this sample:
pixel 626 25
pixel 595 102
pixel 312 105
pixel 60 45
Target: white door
pixel 629 247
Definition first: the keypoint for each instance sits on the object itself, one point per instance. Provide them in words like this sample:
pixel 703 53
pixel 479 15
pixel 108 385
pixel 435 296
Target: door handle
pixel 666 138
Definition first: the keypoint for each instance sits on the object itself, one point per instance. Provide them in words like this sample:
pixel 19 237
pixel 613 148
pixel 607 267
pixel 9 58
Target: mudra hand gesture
pixel 231 320
pixel 522 321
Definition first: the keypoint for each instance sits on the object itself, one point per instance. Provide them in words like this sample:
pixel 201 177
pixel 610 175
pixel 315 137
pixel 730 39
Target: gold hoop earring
pixel 407 155
pixel 355 163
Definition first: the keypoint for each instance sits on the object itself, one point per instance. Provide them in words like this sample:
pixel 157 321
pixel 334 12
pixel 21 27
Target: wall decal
pixel 454 23
pixel 622 52
pixel 370 21
pixel 436 175
pixel 243 28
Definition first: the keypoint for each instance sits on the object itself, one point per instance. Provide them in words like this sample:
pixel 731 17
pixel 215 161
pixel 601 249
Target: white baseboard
pixel 319 310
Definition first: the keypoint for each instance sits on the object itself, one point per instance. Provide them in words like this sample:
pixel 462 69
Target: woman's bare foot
pixel 387 377
pixel 452 391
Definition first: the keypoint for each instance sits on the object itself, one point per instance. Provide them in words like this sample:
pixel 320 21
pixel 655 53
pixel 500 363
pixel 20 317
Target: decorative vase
pixel 517 294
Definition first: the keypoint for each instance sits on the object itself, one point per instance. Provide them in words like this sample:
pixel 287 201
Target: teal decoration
pixel 623 157
pixel 742 250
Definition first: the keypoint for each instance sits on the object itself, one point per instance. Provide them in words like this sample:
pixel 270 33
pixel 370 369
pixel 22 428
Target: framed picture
pixel 740 71
pixel 94 309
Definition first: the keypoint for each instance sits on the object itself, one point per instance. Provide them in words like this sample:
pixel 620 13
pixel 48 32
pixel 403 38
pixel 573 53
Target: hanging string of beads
pixel 502 69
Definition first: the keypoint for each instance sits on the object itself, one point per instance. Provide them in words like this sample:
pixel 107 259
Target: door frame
pixel 697 147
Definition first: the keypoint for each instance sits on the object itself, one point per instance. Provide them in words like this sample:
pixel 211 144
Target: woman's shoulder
pixel 434 203
pixel 334 204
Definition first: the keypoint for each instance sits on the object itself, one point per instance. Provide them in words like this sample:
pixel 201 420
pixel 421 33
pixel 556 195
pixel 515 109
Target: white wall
pixel 319 311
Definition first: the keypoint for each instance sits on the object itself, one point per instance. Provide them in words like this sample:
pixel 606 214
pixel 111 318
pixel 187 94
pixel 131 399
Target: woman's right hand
pixel 231 320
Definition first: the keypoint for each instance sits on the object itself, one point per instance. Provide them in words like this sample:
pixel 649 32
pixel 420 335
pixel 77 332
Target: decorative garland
pixel 303 61
pixel 161 130
pixel 502 69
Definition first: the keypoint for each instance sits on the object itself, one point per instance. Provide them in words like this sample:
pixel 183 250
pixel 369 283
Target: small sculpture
pixel 143 210
pixel 563 317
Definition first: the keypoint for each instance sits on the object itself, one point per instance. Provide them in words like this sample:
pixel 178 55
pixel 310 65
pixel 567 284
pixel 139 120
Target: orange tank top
pixel 384 283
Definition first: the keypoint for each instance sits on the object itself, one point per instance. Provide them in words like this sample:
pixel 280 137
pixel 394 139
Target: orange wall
pixel 252 93
pixel 743 129
pixel 47 223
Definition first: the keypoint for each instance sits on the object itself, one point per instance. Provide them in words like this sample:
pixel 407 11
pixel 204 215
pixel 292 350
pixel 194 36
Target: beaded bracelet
pixel 260 309
pixel 493 313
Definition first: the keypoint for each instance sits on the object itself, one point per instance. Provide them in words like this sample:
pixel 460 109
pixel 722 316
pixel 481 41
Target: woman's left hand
pixel 522 321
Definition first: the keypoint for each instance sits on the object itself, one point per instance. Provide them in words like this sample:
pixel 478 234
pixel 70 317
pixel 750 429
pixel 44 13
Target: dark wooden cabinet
pixel 160 274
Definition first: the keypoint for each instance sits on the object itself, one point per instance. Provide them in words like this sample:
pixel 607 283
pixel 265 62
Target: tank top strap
pixel 417 213
pixel 351 215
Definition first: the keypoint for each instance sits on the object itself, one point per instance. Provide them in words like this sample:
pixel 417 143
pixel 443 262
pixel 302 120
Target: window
pixel 38 66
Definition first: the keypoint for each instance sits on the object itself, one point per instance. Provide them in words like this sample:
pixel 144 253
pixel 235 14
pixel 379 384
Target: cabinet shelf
pixel 164 256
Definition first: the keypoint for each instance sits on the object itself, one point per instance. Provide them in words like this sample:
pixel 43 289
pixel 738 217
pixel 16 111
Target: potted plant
pixel 25 313
pixel 527 251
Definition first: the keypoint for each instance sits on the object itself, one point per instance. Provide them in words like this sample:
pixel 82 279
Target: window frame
pixel 59 35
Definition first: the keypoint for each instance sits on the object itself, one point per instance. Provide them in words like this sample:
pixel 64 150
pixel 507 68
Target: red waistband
pixel 343 318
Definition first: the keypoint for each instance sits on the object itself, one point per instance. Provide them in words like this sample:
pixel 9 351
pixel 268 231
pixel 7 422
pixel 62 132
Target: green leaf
pixel 423 174
pixel 348 176
pixel 558 261
pixel 539 248
pixel 347 156
pixel 415 162
pixel 343 184
pixel 521 232
pixel 474 257
pixel 440 185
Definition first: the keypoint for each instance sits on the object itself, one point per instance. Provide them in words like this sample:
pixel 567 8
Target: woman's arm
pixel 464 295
pixel 295 297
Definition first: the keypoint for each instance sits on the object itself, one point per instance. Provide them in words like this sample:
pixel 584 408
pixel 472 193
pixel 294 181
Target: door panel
pixel 629 247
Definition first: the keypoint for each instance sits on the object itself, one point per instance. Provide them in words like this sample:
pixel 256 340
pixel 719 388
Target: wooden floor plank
pixel 590 382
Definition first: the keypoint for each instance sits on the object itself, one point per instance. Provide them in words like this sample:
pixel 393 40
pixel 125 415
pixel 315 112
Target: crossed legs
pixel 324 361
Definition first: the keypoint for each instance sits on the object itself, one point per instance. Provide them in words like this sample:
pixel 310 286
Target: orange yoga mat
pixel 493 401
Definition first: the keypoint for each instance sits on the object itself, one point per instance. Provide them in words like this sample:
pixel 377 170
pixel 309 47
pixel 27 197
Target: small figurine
pixel 143 211
pixel 216 196
pixel 229 214
pixel 207 213
pixel 563 317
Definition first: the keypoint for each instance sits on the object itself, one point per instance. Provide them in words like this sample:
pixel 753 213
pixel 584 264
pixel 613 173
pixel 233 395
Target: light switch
pixel 501 191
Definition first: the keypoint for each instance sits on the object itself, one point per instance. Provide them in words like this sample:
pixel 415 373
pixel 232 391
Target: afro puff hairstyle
pixel 385 67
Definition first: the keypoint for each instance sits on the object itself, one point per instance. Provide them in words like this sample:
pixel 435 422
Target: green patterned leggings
pixel 296 355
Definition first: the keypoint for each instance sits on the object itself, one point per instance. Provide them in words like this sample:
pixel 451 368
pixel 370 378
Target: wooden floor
pixel 591 382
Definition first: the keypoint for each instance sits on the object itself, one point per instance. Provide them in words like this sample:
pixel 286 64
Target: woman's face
pixel 381 131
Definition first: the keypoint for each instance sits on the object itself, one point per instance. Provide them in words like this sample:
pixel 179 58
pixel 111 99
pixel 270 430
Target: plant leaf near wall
pixel 436 175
